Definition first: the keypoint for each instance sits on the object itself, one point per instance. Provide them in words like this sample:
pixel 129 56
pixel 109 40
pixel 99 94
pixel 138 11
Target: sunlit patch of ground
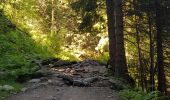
pixel 65 71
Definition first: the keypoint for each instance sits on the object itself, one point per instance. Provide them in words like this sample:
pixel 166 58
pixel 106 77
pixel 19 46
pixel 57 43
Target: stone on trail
pixel 69 81
pixel 91 79
pixel 80 83
pixel 24 89
pixel 50 81
pixel 87 62
pixel 35 81
pixel 51 98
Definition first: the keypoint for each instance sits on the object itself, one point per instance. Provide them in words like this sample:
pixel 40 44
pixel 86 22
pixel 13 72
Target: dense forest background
pixel 75 30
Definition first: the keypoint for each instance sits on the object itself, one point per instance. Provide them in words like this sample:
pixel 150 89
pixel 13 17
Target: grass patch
pixel 102 58
pixel 11 82
pixel 17 52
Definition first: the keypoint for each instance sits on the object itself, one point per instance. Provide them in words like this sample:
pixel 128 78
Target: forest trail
pixel 79 81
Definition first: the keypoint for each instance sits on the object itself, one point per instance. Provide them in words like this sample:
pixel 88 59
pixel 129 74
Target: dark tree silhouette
pixel 161 71
pixel 120 63
pixel 111 32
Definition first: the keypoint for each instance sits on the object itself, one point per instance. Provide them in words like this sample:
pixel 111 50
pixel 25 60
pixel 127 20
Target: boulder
pixel 35 81
pixel 119 84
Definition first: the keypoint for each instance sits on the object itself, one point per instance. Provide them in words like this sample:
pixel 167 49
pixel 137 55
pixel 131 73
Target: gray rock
pixel 35 81
pixel 42 71
pixel 50 81
pixel 119 84
pixel 103 83
pixel 80 83
pixel 43 84
pixel 57 74
pixel 61 63
pixel 44 79
pixel 7 88
pixel 90 80
pixel 24 89
pixel 51 98
pixel 61 84
pixel 35 86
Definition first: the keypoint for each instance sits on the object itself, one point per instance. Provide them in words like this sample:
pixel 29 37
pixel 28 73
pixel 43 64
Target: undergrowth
pixel 17 53
pixel 138 94
pixel 102 58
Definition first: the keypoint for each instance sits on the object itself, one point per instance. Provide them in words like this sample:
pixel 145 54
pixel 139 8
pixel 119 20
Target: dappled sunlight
pixel 126 39
pixel 65 71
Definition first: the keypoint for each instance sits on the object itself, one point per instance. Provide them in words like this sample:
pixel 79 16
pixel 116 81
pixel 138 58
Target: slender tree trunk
pixel 140 65
pixel 161 71
pixel 111 32
pixel 120 63
pixel 52 17
pixel 152 72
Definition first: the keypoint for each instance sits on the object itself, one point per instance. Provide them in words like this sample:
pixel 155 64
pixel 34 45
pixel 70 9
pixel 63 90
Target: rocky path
pixel 80 81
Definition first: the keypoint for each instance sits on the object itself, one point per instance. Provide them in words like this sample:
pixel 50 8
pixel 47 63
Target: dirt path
pixel 66 93
pixel 85 82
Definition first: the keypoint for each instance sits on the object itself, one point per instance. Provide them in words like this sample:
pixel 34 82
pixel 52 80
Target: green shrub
pixel 18 51
pixel 102 58
pixel 138 94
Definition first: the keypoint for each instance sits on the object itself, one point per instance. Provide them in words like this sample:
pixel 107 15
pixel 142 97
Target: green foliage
pixel 3 23
pixel 90 15
pixel 81 23
pixel 84 5
pixel 11 82
pixel 54 43
pixel 103 58
pixel 138 94
pixel 18 50
pixel 67 56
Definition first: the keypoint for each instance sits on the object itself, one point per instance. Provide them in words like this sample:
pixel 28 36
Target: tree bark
pixel 152 69
pixel 160 66
pixel 111 32
pixel 52 17
pixel 140 64
pixel 138 40
pixel 120 63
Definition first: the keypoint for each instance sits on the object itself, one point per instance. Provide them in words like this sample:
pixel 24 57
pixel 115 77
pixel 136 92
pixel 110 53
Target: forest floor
pixel 85 80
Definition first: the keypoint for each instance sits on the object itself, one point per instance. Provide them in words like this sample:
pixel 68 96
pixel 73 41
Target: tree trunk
pixel 152 72
pixel 160 66
pixel 111 32
pixel 140 65
pixel 120 63
pixel 52 17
